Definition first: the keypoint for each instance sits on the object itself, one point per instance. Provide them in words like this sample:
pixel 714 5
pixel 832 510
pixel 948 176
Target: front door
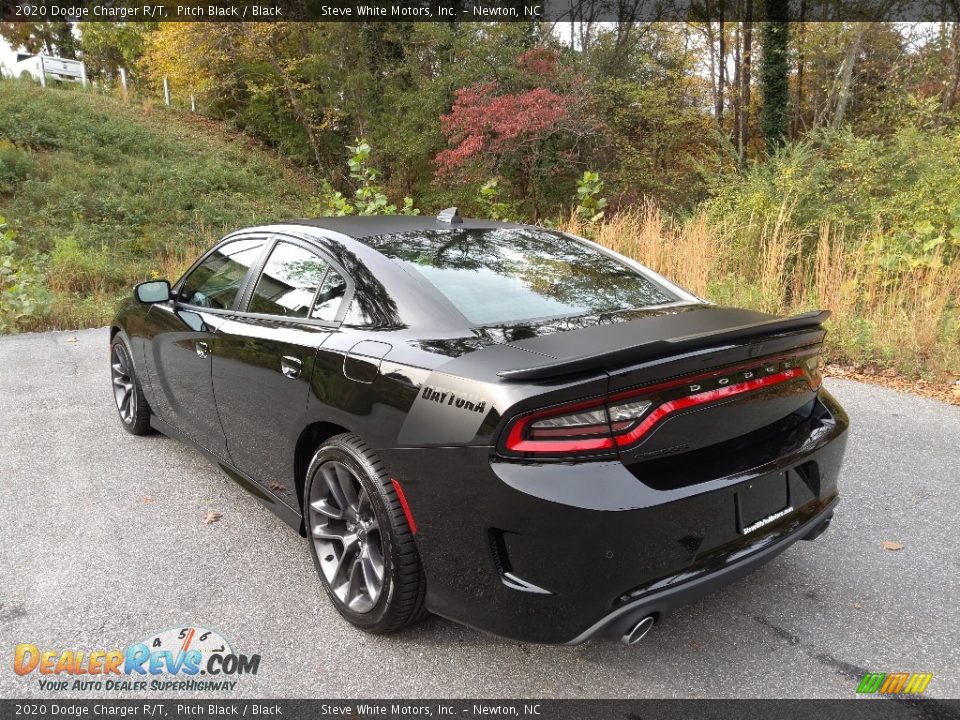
pixel 182 334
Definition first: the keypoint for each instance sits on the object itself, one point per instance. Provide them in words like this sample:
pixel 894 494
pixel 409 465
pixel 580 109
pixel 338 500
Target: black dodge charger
pixel 508 426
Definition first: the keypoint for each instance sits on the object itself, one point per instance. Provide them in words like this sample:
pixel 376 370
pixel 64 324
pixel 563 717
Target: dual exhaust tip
pixel 639 631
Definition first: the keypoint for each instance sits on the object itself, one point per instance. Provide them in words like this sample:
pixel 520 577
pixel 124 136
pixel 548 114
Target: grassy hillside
pixel 99 194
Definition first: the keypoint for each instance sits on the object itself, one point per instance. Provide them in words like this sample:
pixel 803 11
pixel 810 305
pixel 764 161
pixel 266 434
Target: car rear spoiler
pixel 665 347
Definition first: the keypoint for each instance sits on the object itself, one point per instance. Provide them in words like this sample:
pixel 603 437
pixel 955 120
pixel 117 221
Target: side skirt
pixel 289 515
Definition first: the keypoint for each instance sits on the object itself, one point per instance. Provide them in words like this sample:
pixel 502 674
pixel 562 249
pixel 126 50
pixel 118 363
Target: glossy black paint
pixel 601 540
pixel 177 377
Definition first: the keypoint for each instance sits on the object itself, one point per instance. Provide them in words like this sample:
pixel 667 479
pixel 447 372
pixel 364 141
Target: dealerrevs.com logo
pixel 180 659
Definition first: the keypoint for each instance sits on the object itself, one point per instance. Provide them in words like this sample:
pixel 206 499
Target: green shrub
pixel 590 205
pixel 491 201
pixel 86 271
pixel 24 298
pixel 369 198
pixel 15 166
pixel 903 192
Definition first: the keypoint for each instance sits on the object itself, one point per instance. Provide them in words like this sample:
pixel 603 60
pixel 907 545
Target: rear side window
pixel 508 275
pixel 215 282
pixel 289 282
pixel 330 297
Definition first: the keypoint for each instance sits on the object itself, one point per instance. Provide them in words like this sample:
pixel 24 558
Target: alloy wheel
pixel 122 375
pixel 346 534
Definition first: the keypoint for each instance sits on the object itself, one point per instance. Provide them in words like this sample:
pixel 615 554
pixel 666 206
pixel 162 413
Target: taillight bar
pixel 703 398
pixel 603 425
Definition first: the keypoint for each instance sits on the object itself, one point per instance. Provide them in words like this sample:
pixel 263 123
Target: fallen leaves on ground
pixel 948 392
pixel 211 517
pixel 892 546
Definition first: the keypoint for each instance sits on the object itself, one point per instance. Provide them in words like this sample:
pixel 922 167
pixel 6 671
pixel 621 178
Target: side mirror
pixel 155 291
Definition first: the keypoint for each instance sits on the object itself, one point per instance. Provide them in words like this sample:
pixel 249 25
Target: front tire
pixel 360 540
pixel 132 406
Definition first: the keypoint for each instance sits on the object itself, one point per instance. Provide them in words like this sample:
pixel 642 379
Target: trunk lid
pixel 575 345
pixel 688 377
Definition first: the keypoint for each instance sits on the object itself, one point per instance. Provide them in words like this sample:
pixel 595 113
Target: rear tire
pixel 132 406
pixel 360 540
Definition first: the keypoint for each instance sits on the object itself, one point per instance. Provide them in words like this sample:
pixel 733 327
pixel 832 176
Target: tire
pixel 345 531
pixel 132 407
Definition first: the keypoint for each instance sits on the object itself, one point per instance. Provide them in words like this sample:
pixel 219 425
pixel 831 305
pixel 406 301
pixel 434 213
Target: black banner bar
pixel 452 11
pixel 149 708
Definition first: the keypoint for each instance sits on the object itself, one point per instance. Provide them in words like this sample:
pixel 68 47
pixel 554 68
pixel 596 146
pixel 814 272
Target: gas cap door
pixel 362 362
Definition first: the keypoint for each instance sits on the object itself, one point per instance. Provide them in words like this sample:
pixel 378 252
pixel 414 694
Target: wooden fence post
pixel 166 91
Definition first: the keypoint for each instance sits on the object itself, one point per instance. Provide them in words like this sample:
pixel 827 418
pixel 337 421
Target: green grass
pixel 101 194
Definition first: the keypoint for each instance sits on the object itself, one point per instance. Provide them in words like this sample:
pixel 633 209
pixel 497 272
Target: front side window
pixel 215 282
pixel 289 282
pixel 509 275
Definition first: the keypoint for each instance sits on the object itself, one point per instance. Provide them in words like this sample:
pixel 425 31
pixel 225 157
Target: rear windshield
pixel 510 275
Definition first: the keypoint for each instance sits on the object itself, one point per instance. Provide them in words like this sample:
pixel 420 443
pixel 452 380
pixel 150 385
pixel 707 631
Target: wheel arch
pixel 311 438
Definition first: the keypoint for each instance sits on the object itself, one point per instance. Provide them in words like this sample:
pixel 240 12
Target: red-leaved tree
pixel 524 134
pixel 485 125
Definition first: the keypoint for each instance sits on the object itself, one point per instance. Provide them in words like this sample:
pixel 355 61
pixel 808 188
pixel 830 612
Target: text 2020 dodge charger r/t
pixel 508 426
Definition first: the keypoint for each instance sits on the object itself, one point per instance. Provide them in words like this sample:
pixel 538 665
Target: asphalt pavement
pixel 102 544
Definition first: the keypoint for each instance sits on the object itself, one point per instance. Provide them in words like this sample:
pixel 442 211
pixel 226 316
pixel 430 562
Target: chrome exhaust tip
pixel 639 631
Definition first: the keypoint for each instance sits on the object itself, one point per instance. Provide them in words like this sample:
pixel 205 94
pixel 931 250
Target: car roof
pixel 360 227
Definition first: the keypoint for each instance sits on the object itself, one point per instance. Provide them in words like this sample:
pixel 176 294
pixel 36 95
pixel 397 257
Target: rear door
pixel 265 356
pixel 181 336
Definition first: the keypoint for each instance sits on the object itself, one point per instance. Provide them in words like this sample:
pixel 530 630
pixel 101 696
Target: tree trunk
pixel 845 77
pixel 721 72
pixel 746 59
pixel 950 93
pixel 798 120
pixel 735 95
pixel 711 44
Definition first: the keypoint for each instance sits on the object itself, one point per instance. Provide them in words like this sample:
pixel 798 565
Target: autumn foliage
pixel 484 125
pixel 525 126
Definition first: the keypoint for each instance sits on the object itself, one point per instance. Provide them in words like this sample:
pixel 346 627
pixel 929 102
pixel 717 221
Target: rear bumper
pixel 561 552
pixel 658 604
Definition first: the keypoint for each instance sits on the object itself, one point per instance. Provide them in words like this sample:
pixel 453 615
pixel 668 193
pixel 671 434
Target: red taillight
pixel 534 433
pixel 603 425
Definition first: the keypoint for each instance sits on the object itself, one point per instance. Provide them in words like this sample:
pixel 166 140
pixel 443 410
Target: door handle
pixel 291 366
pixel 202 349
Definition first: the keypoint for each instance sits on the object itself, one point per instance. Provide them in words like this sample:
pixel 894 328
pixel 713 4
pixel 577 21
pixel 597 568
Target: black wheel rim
pixel 346 535
pixel 121 373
